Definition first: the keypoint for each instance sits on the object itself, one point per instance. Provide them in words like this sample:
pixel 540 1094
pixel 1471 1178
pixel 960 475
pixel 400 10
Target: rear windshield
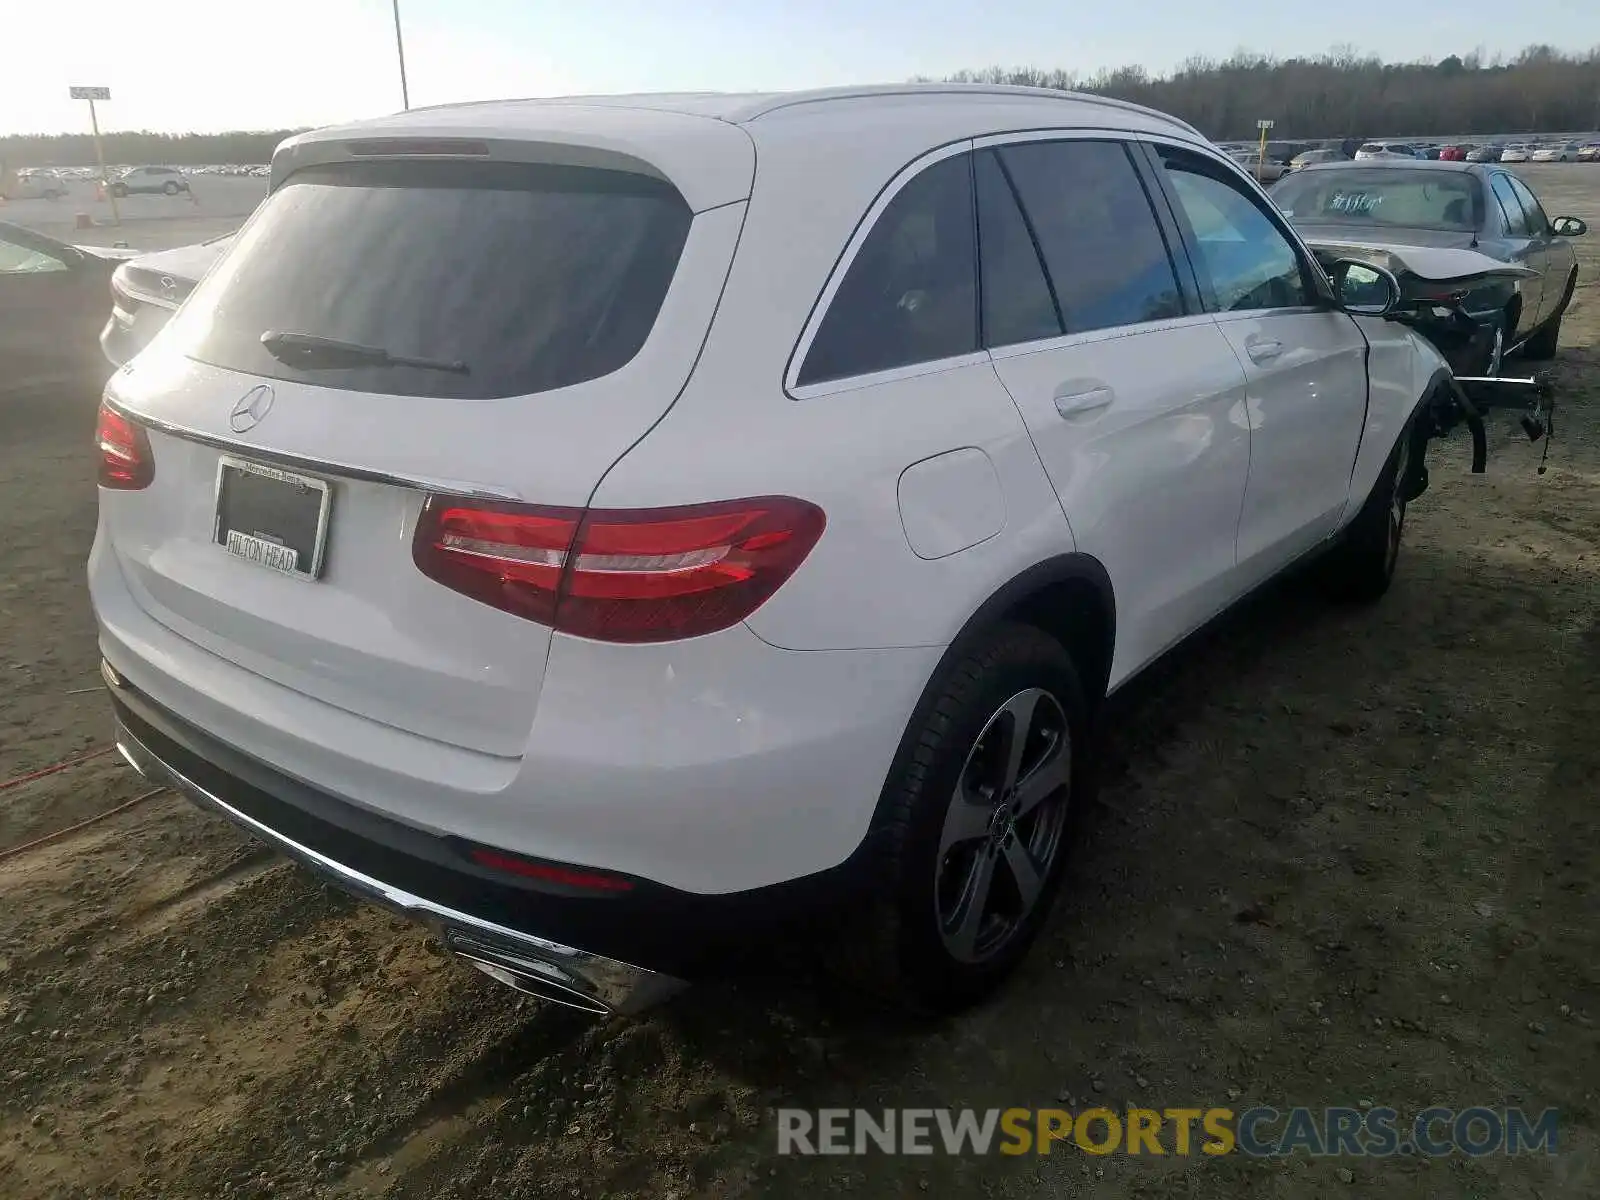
pixel 523 277
pixel 1392 197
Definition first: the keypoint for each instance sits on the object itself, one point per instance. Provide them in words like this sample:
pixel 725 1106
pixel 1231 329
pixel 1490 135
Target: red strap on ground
pixel 60 766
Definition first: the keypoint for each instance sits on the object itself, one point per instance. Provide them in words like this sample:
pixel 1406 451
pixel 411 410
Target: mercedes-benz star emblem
pixel 251 409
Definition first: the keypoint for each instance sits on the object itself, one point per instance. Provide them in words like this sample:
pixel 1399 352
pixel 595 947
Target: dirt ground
pixel 1340 856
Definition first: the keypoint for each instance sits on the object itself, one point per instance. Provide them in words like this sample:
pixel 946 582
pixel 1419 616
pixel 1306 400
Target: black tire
pixel 1360 568
pixel 170 188
pixel 1542 345
pixel 902 948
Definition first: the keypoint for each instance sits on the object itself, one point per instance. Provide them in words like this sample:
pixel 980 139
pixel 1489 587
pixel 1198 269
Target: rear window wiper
pixel 311 353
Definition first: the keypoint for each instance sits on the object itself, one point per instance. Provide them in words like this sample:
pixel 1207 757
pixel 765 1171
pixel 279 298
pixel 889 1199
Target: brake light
pixel 619 575
pixel 125 460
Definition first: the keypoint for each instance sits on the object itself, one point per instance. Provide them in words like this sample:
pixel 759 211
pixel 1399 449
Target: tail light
pixel 619 575
pixel 125 460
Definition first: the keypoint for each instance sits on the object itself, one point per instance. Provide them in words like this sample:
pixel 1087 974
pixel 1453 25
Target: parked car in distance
pixel 1485 154
pixel 1516 152
pixel 36 185
pixel 147 290
pixel 1306 157
pixel 1381 150
pixel 1450 206
pixel 168 180
pixel 52 301
pixel 1589 152
pixel 1558 152
pixel 1266 170
pixel 690 541
pixel 1455 153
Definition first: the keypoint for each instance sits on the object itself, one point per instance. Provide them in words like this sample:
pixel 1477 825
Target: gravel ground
pixel 1339 855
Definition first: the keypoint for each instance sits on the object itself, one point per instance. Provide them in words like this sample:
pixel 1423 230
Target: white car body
pixel 1516 153
pixel 1381 150
pixel 1565 152
pixel 37 185
pixel 1179 462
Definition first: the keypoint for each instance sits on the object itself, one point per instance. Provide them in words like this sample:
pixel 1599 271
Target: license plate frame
pixel 286 553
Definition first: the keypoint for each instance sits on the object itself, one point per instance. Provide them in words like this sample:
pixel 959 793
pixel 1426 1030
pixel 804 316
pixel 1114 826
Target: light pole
pixel 400 47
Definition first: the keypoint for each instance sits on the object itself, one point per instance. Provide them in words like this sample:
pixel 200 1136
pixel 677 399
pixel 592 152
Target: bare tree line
pixel 1346 94
pixel 1336 95
pixel 141 147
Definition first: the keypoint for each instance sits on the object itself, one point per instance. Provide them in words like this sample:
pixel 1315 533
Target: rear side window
pixel 911 293
pixel 1104 251
pixel 529 276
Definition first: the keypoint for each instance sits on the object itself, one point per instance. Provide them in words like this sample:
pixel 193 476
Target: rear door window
pixel 1538 223
pixel 1104 250
pixel 529 276
pixel 1510 206
pixel 1018 302
pixel 911 293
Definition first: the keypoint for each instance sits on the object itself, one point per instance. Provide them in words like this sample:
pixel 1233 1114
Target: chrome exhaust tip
pixel 525 975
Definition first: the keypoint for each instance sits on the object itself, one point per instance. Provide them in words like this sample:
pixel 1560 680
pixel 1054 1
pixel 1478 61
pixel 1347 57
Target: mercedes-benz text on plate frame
pixel 251 408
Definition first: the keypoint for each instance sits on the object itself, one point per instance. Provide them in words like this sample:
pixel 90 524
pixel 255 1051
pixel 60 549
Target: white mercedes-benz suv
pixel 616 530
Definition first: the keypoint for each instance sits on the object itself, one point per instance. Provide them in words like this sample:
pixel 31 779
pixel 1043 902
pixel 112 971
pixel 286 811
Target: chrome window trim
pixel 819 310
pixel 304 462
pixel 1105 333
pixel 851 383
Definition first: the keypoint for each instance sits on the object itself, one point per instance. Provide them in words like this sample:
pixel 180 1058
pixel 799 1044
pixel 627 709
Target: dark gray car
pixel 1449 205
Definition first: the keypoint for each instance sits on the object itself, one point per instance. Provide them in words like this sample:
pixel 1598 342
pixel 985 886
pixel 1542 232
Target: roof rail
pixel 790 99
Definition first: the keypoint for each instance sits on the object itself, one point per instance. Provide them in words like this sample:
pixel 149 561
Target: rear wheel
pixel 1542 345
pixel 978 817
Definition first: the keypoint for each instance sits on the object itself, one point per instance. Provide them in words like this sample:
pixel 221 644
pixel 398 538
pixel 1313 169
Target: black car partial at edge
pixel 52 305
pixel 1449 206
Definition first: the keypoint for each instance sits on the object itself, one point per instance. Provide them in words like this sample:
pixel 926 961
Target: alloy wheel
pixel 1397 505
pixel 1004 826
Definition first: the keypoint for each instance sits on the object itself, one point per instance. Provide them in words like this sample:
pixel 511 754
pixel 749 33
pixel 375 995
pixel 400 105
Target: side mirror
pixel 1364 289
pixel 1568 227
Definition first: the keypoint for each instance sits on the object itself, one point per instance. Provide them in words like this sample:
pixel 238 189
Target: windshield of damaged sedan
pixel 1382 198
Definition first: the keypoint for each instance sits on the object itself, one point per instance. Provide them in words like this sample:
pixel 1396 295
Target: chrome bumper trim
pixel 533 965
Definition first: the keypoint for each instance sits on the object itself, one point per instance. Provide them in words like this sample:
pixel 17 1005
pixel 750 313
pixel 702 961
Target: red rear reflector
pixel 125 460
pixel 619 575
pixel 495 860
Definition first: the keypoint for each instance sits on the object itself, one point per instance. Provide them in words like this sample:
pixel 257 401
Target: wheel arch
pixel 1069 597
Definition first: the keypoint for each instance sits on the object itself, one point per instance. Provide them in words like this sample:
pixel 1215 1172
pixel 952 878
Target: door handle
pixel 1076 403
pixel 1263 350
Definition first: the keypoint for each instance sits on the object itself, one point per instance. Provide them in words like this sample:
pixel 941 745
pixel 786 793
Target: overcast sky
pixel 247 64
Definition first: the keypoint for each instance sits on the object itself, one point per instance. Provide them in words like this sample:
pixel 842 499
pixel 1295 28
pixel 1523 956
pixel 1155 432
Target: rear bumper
pixel 538 966
pixel 617 951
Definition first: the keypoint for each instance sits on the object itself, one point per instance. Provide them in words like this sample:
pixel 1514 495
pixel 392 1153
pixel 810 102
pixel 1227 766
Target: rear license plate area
pixel 274 519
